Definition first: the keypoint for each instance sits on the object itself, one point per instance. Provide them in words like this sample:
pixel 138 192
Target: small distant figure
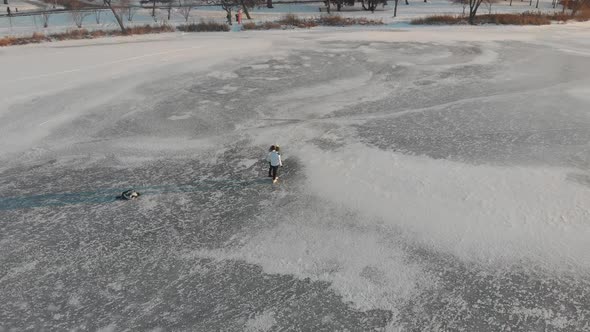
pixel 272 148
pixel 8 11
pixel 228 16
pixel 274 160
pixel 239 16
pixel 129 195
pixel 16 9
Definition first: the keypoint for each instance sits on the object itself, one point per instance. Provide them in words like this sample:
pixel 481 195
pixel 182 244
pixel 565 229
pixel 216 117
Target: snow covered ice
pixel 435 179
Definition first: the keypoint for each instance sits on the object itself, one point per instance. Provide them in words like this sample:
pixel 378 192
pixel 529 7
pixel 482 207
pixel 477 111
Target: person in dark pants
pixel 8 10
pixel 274 158
pixel 272 148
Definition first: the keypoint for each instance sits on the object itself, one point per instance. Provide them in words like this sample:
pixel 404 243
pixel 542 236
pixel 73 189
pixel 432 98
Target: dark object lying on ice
pixel 129 194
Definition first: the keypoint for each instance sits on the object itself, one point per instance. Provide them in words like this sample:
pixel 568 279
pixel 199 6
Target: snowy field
pixel 435 179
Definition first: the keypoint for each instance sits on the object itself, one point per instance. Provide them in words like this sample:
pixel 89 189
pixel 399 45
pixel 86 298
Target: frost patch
pixel 404 64
pixel 223 75
pixel 247 163
pixel 109 328
pixel 74 301
pixel 364 267
pixel 183 116
pixel 582 93
pixel 16 271
pixel 227 89
pixel 478 213
pixel 260 66
pixel 116 286
pixel 547 315
pixel 261 323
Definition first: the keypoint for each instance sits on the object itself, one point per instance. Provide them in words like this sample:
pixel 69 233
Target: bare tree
pixel 10 22
pixel 368 4
pixel 131 10
pixel 97 14
pixel 488 4
pixel 116 13
pixel 463 3
pixel 77 13
pixel 245 8
pixel 372 4
pixel 185 10
pixel 338 4
pixel 230 5
pixel 473 7
pixel 169 8
pixel 45 17
pixel 78 17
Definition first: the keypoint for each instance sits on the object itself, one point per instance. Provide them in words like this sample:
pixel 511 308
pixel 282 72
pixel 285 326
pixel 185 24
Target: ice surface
pixel 435 179
pixel 455 207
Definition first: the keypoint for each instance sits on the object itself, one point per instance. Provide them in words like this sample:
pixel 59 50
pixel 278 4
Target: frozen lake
pixel 435 179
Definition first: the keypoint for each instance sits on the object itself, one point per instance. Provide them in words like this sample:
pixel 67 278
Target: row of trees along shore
pixel 124 8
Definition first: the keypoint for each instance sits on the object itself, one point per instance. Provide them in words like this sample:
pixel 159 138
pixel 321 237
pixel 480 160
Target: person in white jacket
pixel 274 158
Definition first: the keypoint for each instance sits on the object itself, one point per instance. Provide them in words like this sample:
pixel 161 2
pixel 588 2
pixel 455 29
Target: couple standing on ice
pixel 274 160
